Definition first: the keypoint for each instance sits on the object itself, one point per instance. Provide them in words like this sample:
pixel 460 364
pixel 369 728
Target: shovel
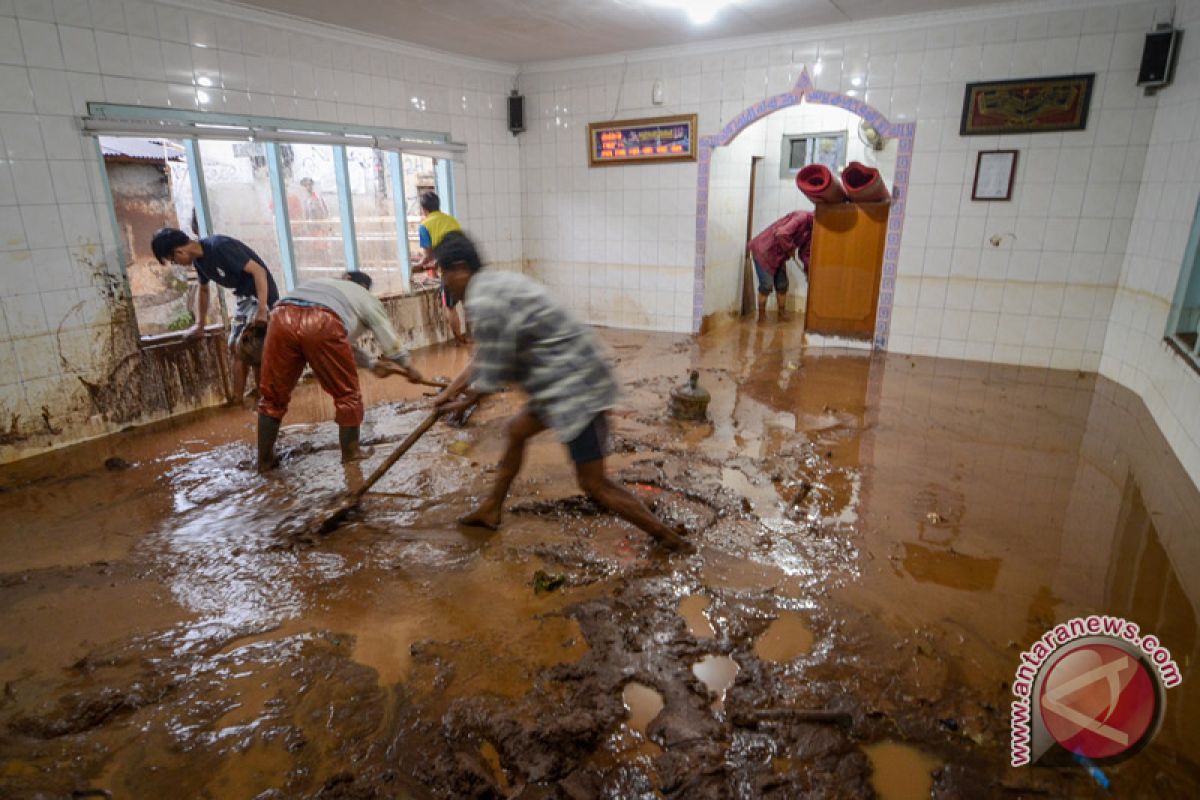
pixel 329 520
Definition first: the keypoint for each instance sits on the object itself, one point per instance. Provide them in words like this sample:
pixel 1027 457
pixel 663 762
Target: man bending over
pixel 523 336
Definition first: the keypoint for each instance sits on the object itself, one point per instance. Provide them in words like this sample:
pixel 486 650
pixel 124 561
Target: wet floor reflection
pixel 928 518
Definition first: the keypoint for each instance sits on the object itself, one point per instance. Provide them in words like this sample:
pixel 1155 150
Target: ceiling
pixel 527 31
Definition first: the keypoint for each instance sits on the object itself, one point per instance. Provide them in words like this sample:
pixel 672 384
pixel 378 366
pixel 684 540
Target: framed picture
pixel 994 173
pixel 1032 105
pixel 639 141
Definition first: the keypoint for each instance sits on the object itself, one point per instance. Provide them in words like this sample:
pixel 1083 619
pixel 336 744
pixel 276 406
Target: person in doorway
pixel 770 250
pixel 525 337
pixel 435 224
pixel 317 325
pixel 230 263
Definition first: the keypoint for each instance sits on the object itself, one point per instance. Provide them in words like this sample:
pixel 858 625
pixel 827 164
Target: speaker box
pixel 516 113
pixel 1158 58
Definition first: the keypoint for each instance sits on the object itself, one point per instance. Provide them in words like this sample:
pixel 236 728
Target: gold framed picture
pixel 641 141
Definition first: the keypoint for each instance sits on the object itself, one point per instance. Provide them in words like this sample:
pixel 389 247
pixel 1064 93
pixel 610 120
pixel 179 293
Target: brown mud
pixel 879 538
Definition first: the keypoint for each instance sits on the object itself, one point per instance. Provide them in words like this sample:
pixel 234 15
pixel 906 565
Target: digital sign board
pixel 635 141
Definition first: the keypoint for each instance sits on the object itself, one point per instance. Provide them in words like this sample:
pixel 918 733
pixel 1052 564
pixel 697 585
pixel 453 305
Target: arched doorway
pixel 904 133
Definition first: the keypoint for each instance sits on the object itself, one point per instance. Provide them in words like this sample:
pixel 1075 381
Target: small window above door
pixel 800 150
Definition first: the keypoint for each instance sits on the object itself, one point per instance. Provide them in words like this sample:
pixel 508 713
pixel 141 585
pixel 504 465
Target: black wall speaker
pixel 1158 57
pixel 516 113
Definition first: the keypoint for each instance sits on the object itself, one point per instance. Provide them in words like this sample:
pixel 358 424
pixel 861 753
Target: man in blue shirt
pixel 229 263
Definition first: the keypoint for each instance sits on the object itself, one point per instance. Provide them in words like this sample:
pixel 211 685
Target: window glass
pixel 313 210
pixel 1183 326
pixel 238 185
pixel 150 181
pixel 374 202
pixel 419 176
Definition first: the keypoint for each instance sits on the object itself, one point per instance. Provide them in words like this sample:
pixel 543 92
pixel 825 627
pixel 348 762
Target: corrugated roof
pixel 141 149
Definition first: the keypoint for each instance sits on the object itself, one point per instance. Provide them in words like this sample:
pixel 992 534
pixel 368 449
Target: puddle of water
pixel 786 639
pixel 693 608
pixel 643 704
pixel 900 771
pixel 718 674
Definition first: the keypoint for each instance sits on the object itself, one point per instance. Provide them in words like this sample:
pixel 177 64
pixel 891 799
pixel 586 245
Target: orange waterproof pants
pixel 312 335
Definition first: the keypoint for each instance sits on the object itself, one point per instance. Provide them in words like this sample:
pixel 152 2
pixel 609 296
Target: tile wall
pixel 1134 352
pixel 614 241
pixel 62 322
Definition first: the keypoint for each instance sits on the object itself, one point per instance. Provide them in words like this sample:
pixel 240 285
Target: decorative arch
pixel 903 132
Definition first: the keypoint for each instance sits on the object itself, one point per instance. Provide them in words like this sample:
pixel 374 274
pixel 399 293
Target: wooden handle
pixel 408 442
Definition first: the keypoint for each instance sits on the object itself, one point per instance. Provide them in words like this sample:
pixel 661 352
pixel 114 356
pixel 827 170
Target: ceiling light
pixel 203 81
pixel 856 81
pixel 699 12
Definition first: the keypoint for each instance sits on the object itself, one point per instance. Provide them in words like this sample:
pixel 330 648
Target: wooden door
pixel 845 268
pixel 748 289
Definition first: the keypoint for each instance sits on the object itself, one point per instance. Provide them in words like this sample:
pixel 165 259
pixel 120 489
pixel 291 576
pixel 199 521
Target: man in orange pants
pixel 316 325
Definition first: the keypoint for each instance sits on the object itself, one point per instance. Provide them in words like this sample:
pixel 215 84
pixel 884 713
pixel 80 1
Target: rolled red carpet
pixel 864 184
pixel 820 185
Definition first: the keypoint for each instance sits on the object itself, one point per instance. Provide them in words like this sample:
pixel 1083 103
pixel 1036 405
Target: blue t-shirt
pixel 224 262
pixel 423 235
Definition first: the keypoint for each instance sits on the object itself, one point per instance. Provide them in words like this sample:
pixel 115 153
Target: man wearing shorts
pixel 317 325
pixel 770 251
pixel 230 263
pixel 435 224
pixel 523 336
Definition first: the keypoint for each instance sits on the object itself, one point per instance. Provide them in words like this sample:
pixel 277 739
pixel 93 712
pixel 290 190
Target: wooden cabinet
pixel 845 268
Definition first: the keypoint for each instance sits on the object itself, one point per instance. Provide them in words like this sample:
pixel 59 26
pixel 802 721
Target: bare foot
pixel 482 517
pixel 784 316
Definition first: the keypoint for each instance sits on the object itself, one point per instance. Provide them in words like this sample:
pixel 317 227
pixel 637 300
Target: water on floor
pixel 878 540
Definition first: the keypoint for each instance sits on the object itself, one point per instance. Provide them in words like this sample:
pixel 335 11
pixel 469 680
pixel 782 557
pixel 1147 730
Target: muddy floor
pixel 878 539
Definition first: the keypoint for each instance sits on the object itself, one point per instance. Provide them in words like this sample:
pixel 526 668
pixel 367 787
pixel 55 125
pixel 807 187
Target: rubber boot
pixel 351 451
pixel 268 432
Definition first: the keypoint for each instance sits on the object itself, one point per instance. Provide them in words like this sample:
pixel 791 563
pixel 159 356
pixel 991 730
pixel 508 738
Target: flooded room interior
pixel 617 399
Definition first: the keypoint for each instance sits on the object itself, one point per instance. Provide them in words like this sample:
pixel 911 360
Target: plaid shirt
pixel 523 336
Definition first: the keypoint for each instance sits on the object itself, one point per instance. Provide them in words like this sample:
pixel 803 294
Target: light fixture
pixel 204 81
pixel 856 81
pixel 700 12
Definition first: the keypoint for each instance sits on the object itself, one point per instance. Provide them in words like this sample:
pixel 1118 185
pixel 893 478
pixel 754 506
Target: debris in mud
pixel 545 582
pixel 116 464
pixel 83 711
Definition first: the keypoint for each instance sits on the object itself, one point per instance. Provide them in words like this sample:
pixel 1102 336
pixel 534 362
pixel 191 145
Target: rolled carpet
pixel 820 185
pixel 864 184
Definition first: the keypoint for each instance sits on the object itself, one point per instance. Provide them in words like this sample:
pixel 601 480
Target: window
pixel 314 210
pixel 240 204
pixel 1183 323
pixel 374 186
pixel 812 148
pixel 312 201
pixel 150 183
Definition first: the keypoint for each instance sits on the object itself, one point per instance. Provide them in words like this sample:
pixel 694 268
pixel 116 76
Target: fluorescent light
pixel 204 81
pixel 700 12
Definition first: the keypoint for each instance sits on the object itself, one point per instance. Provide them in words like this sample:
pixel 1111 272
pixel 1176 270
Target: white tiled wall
pixel 774 196
pixel 1134 351
pixel 56 242
pixel 613 239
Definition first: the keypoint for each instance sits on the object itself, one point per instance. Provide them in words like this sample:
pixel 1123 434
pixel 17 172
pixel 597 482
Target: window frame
pixel 191 127
pixel 788 139
pixel 1189 280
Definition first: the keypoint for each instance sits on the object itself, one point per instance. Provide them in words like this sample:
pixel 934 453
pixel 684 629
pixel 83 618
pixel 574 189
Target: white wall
pixel 774 196
pixel 1134 352
pixel 610 239
pixel 61 314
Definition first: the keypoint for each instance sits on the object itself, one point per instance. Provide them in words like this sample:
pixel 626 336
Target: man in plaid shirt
pixel 524 337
